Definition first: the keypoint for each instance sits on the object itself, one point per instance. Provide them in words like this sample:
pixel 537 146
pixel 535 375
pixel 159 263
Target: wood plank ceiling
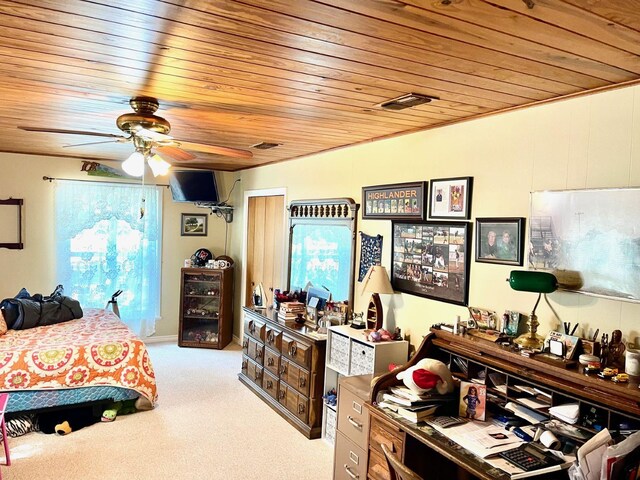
pixel 306 75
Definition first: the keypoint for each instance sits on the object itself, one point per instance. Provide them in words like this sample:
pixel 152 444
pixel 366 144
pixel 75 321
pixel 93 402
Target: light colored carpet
pixel 207 425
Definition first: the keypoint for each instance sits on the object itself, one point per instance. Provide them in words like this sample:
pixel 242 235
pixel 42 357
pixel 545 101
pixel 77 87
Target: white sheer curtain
pixel 108 238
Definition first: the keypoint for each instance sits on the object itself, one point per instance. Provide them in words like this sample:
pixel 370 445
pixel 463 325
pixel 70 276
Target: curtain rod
pixel 51 179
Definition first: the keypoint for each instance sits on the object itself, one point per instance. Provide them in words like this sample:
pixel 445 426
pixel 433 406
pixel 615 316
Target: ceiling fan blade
pixel 216 149
pixel 150 135
pixel 174 153
pixel 92 143
pixel 70 132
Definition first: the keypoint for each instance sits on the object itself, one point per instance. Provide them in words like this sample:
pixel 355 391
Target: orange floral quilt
pixel 95 350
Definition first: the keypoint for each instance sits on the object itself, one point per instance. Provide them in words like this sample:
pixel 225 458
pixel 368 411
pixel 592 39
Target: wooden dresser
pixel 284 365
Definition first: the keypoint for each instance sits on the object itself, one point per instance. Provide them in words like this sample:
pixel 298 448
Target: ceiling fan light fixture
pixel 158 165
pixel 407 101
pixel 134 165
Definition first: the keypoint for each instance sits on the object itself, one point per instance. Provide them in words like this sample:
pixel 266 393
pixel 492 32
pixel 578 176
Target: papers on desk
pixel 481 439
pixel 590 456
pixel 525 413
pixel 569 412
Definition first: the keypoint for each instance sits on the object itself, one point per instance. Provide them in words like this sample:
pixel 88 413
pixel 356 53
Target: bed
pixel 94 358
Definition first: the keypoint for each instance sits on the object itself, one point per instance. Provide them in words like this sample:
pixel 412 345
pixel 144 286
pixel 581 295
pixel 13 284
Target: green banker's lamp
pixel 537 282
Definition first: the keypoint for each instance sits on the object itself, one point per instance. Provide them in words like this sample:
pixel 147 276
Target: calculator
pixel 445 422
pixel 529 457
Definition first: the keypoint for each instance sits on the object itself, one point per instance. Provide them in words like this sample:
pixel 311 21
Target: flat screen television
pixel 194 186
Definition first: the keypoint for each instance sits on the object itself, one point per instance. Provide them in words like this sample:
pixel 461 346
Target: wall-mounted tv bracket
pixel 220 209
pixel 17 202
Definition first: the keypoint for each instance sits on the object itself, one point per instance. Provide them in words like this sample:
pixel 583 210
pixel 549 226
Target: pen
pixel 574 329
pixel 595 335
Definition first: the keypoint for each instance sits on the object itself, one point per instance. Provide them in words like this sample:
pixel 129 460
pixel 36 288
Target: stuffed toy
pixel 63 422
pixel 118 408
pixel 426 375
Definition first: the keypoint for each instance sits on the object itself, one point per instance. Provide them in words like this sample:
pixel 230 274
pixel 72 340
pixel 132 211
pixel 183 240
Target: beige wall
pixel 586 142
pixel 34 266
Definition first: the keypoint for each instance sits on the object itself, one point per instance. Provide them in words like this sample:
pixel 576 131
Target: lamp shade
pixel 158 165
pixel 134 165
pixel 377 280
pixel 533 281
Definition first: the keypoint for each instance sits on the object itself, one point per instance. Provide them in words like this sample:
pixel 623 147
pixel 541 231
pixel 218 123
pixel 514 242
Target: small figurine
pixel 615 353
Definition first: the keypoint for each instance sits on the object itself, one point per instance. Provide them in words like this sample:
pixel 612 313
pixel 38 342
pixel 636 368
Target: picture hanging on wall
pixel 500 240
pixel 370 253
pixel 431 259
pixel 406 201
pixel 589 239
pixel 450 198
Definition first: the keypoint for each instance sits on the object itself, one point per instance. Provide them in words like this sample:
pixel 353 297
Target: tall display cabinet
pixel 206 307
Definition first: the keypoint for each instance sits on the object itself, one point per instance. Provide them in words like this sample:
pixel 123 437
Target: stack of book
pixel 289 311
pixel 412 406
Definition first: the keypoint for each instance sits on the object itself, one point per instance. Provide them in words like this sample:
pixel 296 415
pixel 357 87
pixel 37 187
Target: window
pixel 108 238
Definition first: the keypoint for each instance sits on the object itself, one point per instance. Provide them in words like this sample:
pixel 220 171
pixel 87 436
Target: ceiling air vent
pixel 265 145
pixel 407 101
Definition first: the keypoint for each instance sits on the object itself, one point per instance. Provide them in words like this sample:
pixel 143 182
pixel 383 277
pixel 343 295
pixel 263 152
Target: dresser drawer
pixel 297 404
pixel 353 418
pixel 296 377
pixel 270 384
pixel 272 361
pixel 253 349
pixel 381 432
pixel 350 460
pixel 253 371
pixel 254 327
pixel 362 361
pixel 273 338
pixel 297 351
pixel 339 352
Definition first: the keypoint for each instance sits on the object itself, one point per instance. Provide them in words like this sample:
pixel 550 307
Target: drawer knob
pixel 283 369
pixel 281 394
pixel 349 472
pixel 354 423
pixel 300 408
pixel 292 349
pixel 245 344
pixel 269 384
pixel 302 381
pixel 270 361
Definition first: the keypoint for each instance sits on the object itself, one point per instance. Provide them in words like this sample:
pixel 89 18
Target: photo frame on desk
pixel 431 259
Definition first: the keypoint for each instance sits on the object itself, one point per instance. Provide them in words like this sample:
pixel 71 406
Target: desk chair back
pixel 397 470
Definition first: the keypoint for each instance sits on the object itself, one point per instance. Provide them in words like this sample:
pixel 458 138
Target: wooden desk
pixel 426 451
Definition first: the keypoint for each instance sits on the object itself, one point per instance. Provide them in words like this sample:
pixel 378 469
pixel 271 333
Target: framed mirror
pixel 322 243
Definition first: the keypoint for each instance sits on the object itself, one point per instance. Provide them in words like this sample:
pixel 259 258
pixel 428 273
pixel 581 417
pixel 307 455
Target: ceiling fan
pixel 149 135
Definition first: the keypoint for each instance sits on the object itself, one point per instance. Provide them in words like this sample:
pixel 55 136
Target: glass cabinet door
pixel 201 307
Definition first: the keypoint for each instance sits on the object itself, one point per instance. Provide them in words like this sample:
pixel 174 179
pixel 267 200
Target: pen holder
pixel 590 347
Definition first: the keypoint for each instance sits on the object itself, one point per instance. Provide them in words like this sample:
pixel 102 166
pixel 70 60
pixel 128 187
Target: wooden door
pixel 265 246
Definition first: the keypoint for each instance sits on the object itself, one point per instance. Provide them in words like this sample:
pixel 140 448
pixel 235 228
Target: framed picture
pixel 451 198
pixel 396 201
pixel 194 224
pixel 473 400
pixel 500 240
pixel 430 259
pixel 591 233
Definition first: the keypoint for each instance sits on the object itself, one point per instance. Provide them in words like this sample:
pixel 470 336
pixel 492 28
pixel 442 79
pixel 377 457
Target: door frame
pixel 268 192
